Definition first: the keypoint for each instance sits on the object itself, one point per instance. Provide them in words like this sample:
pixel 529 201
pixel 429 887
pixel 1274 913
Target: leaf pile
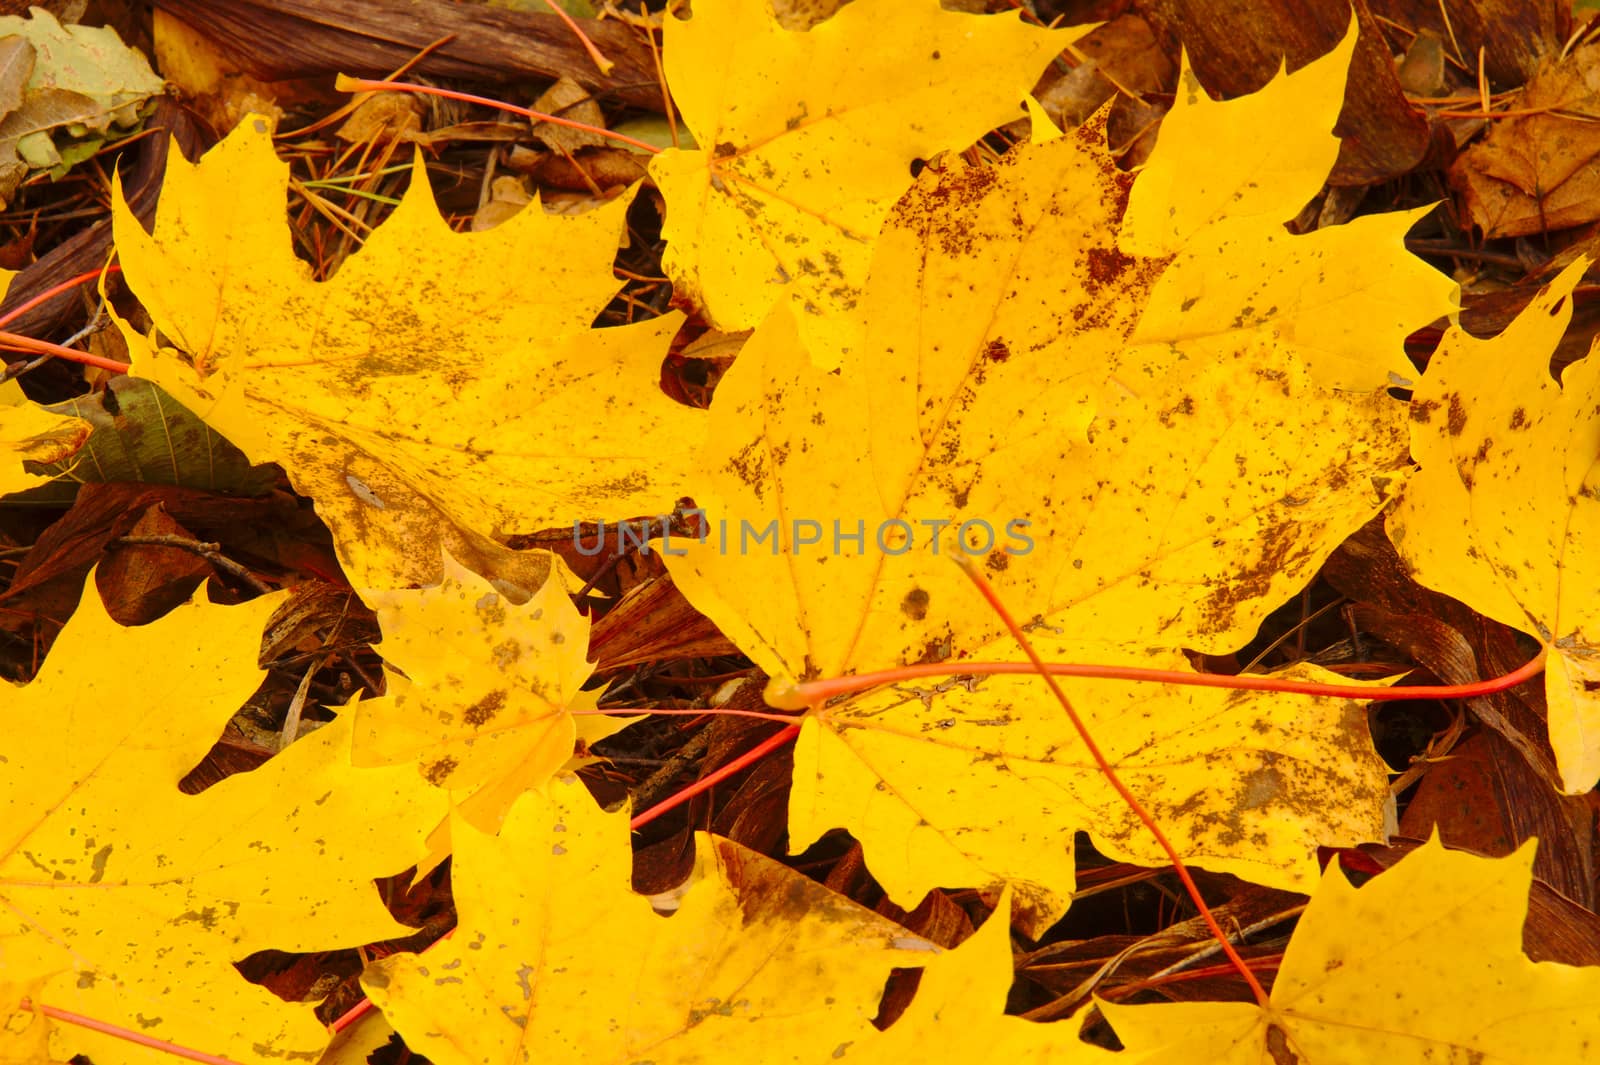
pixel 1144 404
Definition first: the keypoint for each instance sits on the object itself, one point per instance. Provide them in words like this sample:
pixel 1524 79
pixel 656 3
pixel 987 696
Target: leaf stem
pixel 68 1017
pixel 748 758
pixel 19 342
pixel 356 1012
pixel 812 692
pixel 348 84
pixel 595 55
pixel 1116 783
pixel 51 293
pixel 712 711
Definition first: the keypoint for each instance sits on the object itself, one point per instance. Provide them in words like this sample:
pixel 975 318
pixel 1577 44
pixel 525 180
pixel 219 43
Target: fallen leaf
pixel 567 99
pixel 1127 499
pixel 356 1044
pixel 142 434
pixel 30 433
pixel 83 81
pixel 140 582
pixel 426 396
pixel 958 1013
pixel 483 705
pixel 128 901
pixel 1537 171
pixel 1261 170
pixel 557 960
pixel 652 622
pixel 1505 515
pixel 383 117
pixel 507 198
pixel 91 61
pixel 16 66
pixel 47 583
pixel 208 80
pixel 807 138
pixel 1422 964
pixel 1237 48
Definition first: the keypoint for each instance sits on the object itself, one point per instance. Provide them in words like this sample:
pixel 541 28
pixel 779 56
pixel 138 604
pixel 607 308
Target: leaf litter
pixel 1179 378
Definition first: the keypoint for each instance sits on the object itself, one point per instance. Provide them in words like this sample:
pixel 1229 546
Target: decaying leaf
pixel 139 433
pixel 557 960
pixel 128 901
pixel 81 83
pixel 30 433
pixel 1505 515
pixel 1423 964
pixel 426 397
pixel 1537 170
pixel 807 138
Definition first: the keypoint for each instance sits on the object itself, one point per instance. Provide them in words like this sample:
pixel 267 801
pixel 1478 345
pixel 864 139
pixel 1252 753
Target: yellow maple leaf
pixel 1505 515
pixel 1133 497
pixel 1422 964
pixel 29 433
pixel 1266 155
pixel 959 1012
pixel 125 900
pixel 484 705
pixel 1235 267
pixel 557 960
pixel 984 782
pixel 807 138
pixel 440 390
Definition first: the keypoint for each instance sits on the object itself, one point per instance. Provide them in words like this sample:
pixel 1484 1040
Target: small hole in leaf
pixel 917 166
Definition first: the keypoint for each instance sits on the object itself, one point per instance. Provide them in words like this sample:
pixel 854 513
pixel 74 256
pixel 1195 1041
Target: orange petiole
pixel 815 692
pixel 348 84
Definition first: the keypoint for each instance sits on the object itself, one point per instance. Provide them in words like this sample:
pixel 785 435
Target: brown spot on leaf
pixel 438 772
pixel 1519 418
pixel 1262 787
pixel 1105 267
pixel 1458 415
pixel 1183 406
pixel 1281 548
pixel 1278 1047
pixel 915 604
pixel 1422 410
pixel 996 351
pixel 942 212
pixel 484 710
